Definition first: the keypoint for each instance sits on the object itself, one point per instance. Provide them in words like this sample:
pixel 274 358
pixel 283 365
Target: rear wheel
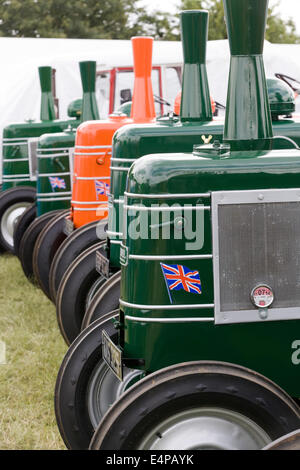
pixel 81 239
pixel 289 442
pixel 85 386
pixel 22 225
pixel 106 299
pixel 13 202
pixel 198 405
pixel 47 244
pixel 29 240
pixel 73 291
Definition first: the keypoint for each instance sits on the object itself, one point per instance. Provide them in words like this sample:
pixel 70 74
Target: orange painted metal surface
pixel 91 179
pixel 177 104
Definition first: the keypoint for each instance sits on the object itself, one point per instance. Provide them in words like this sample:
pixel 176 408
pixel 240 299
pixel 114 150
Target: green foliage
pixel 278 30
pixel 118 19
pixel 111 19
pixel 217 27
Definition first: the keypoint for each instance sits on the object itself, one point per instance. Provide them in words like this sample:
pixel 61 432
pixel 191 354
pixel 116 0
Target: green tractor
pixel 203 352
pixel 55 153
pixel 97 284
pixel 19 164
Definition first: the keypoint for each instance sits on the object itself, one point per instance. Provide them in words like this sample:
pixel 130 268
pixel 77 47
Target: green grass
pixel 34 352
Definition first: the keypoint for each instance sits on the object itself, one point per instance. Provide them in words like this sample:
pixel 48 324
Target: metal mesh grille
pixel 259 244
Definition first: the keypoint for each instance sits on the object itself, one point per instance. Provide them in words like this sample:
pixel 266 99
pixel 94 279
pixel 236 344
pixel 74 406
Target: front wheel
pixel 201 405
pixel 13 202
pixel 85 386
pixel 73 292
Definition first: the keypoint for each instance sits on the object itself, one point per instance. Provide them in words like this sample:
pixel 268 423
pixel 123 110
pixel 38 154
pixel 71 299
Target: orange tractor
pixel 81 228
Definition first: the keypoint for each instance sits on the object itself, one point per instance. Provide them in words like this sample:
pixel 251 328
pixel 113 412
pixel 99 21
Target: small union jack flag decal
pixel 102 189
pixel 180 277
pixel 57 182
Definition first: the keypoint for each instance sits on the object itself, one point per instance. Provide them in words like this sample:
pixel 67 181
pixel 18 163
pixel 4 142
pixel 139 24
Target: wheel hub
pixel 206 429
pixel 104 389
pixel 9 220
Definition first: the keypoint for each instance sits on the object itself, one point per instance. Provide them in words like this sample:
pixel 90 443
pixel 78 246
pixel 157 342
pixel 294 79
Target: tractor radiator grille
pixel 258 243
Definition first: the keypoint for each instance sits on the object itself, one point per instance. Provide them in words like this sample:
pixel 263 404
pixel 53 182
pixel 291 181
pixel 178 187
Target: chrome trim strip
pixel 8 160
pixel 167 209
pixel 166 307
pixel 114 234
pixel 53 175
pixel 54 199
pixel 51 149
pixel 16 176
pixel 114 168
pixel 115 242
pixel 169 320
pixel 168 257
pixel 166 196
pixel 88 178
pixel 16 181
pixel 87 203
pixel 125 160
pixel 93 147
pixel 65 193
pixel 17 139
pixel 53 155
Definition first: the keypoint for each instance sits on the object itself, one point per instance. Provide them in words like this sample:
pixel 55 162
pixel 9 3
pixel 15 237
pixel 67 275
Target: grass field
pixel 34 352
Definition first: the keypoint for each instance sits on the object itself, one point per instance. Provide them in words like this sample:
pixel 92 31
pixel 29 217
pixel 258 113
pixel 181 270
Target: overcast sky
pixel 287 8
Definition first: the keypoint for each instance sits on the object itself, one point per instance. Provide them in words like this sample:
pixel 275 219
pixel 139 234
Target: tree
pixel 278 30
pixel 113 19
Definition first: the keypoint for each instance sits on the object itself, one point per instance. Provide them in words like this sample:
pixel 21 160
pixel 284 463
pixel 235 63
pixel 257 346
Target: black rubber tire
pixel 72 246
pixel 47 244
pixel 105 300
pixel 26 194
pixel 73 290
pixel 72 381
pixel 22 225
pixel 290 441
pixel 184 386
pixel 28 243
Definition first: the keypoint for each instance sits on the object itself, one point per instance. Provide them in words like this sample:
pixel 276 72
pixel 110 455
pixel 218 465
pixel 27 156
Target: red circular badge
pixel 262 296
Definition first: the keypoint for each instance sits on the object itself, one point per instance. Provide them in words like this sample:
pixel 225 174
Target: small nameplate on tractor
pixel 68 227
pixel 32 154
pixel 112 355
pixel 123 255
pixel 102 265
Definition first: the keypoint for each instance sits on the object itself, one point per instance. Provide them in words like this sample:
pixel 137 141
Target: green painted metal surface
pixel 168 134
pixel 56 151
pixel 47 101
pixel 164 328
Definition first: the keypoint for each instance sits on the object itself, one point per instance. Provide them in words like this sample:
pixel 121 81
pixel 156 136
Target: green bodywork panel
pixel 54 161
pixel 15 149
pixel 264 346
pixel 131 142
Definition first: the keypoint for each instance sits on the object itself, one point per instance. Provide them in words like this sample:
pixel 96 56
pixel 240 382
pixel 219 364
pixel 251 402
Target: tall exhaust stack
pixel 195 99
pixel 88 78
pixel 143 108
pixel 248 124
pixel 47 101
